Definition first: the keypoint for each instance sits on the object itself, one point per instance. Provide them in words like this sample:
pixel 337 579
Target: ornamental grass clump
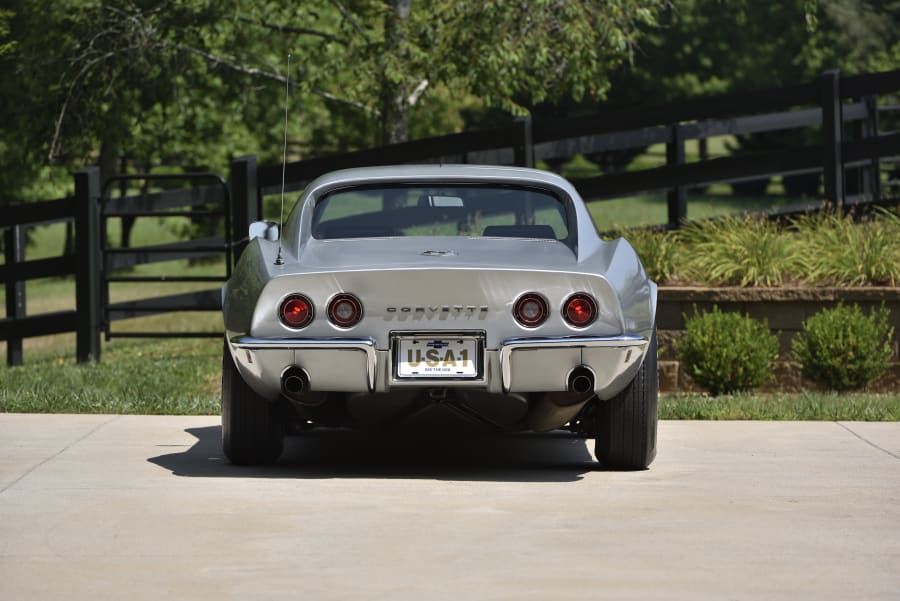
pixel 657 251
pixel 844 349
pixel 837 250
pixel 743 251
pixel 726 352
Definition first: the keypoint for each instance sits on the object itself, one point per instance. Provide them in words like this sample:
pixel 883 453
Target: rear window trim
pixel 560 196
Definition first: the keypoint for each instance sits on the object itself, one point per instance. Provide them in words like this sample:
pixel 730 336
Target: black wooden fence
pixel 96 264
pixel 84 265
pixel 845 111
pixel 207 199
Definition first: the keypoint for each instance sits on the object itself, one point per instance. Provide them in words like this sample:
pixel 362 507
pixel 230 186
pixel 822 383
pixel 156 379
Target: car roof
pixel 586 236
pixel 467 173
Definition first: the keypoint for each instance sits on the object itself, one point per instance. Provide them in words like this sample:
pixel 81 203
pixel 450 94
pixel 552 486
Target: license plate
pixel 437 358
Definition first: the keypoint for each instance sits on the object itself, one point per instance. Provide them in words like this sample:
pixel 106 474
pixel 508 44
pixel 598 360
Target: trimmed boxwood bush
pixel 842 348
pixel 726 352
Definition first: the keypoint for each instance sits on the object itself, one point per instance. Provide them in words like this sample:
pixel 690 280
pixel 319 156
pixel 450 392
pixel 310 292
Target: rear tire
pixel 626 425
pixel 252 428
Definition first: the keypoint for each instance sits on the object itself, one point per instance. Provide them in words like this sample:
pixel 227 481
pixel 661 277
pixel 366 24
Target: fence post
pixel 833 130
pixel 90 264
pixel 524 154
pixel 677 196
pixel 14 251
pixel 244 201
pixel 871 173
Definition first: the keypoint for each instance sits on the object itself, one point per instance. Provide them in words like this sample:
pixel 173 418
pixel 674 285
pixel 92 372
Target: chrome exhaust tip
pixel 294 383
pixel 581 381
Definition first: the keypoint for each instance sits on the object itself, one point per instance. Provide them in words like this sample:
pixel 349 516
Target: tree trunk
pixel 107 162
pixel 394 109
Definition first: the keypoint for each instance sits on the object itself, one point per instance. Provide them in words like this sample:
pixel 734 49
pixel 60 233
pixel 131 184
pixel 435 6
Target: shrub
pixel 726 352
pixel 747 251
pixel 837 250
pixel 657 251
pixel 842 348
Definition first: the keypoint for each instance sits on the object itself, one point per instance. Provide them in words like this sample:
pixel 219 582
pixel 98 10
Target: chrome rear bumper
pixel 518 365
pixel 529 362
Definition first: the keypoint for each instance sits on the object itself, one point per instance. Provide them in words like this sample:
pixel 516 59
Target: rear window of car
pixel 492 211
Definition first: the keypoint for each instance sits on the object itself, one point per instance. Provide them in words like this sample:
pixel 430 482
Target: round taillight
pixel 296 311
pixel 345 310
pixel 531 310
pixel 580 310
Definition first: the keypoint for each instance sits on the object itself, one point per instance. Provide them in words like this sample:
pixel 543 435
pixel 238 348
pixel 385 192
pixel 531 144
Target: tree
pixel 194 81
pixel 717 46
pixel 700 47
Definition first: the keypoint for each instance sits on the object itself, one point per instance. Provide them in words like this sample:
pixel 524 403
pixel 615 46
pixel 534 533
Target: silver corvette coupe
pixel 438 297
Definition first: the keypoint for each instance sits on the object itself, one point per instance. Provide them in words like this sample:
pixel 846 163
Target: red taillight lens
pixel 296 311
pixel 580 310
pixel 531 310
pixel 345 310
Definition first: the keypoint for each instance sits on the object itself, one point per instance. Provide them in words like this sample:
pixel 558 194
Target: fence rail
pixel 819 103
pixel 208 198
pixel 81 210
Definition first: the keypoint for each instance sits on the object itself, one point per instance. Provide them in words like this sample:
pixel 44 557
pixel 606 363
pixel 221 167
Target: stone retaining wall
pixel 785 309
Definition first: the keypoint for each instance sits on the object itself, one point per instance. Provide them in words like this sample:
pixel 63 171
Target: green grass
pixel 822 250
pixel 652 209
pixel 869 252
pixel 806 406
pixel 740 251
pixel 175 377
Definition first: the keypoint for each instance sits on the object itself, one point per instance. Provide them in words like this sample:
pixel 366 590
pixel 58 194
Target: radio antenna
pixel 279 260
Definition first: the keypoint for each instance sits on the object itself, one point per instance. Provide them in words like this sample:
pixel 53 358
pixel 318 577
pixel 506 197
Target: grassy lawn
pixel 814 406
pixel 177 377
pixel 652 209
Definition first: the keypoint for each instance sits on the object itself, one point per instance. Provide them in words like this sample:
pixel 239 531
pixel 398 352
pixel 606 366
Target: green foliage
pixel 6 46
pixel 515 59
pixel 844 349
pixel 658 252
pixel 824 249
pixel 835 249
pixel 744 251
pixel 177 377
pixel 194 83
pixel 779 406
pixel 717 46
pixel 726 352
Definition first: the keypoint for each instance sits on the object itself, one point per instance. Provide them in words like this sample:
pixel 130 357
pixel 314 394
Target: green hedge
pixel 844 349
pixel 726 352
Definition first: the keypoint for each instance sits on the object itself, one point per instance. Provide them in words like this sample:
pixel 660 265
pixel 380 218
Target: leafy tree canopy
pixel 194 82
pixel 716 46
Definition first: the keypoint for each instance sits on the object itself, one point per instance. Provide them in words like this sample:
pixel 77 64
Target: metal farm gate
pixel 205 208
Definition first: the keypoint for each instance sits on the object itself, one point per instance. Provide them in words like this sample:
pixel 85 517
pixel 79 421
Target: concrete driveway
pixel 122 507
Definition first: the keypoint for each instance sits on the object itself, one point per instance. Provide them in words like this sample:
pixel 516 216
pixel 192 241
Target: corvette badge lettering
pixel 435 309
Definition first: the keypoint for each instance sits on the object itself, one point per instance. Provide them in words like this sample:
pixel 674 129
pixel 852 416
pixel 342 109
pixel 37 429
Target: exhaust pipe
pixel 294 384
pixel 552 410
pixel 581 380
